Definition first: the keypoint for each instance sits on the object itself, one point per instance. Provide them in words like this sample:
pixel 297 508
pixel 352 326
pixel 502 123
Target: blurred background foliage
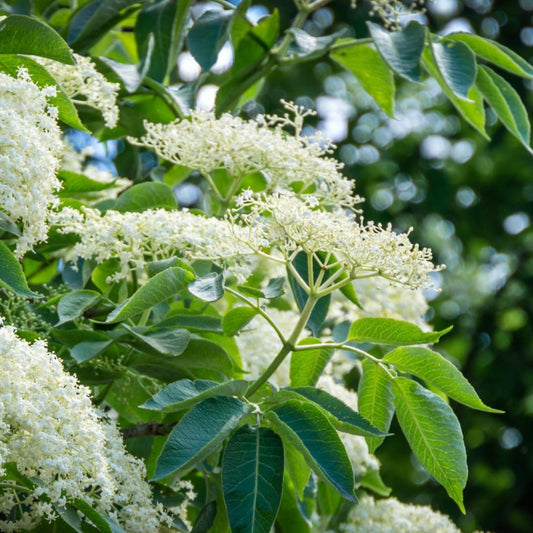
pixel 471 201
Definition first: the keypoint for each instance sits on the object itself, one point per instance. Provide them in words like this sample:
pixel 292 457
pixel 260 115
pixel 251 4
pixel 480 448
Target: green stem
pixel 287 348
pixel 159 89
pixel 260 311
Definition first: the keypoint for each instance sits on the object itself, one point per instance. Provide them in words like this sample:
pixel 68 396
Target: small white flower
pixel 30 148
pixel 82 79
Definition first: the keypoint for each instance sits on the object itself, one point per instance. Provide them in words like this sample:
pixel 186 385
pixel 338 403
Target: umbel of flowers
pixel 51 433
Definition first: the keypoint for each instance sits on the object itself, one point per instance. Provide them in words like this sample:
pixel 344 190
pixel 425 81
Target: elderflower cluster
pixel 240 147
pixel 52 432
pixel 30 148
pixel 392 516
pixel 356 446
pixel 381 298
pixel 83 80
pixel 391 12
pixel 136 238
pixel 362 248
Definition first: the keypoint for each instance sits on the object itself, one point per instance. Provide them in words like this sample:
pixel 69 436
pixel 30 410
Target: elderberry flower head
pixel 30 148
pixel 364 249
pixel 240 147
pixel 51 431
pixel 136 238
pixel 83 80
pixel 392 516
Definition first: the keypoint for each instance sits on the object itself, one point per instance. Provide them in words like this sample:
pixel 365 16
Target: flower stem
pixel 287 348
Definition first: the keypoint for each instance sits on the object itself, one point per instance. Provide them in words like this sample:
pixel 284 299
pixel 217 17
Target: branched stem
pixel 287 348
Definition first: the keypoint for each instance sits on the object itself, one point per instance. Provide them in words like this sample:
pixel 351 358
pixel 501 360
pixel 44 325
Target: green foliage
pixel 160 345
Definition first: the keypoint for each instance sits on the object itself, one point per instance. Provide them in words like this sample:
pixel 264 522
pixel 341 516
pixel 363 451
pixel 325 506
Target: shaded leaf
pixel 185 393
pixel 402 50
pixel 471 109
pixel 311 433
pixel 207 36
pixel 199 433
pixel 252 479
pixel 171 341
pixel 75 303
pixel 456 64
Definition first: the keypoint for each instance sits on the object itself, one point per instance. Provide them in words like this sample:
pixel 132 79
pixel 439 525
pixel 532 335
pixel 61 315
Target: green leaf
pixel 309 46
pixel 438 372
pixel 506 102
pixel 6 224
pixel 402 50
pixel 207 36
pixel 67 113
pixel 161 20
pixel 201 359
pixel 275 288
pixel 389 331
pixel 307 366
pixel 434 434
pixel 104 524
pixel 252 479
pixel 495 53
pixel 74 184
pixel 199 433
pixel 342 417
pixel 170 341
pixel 92 21
pixel 20 34
pixel 371 71
pixel 372 481
pixel 11 274
pixel 205 518
pixel 210 288
pixel 290 519
pixel 148 195
pixel 86 350
pixel 193 322
pixel 471 109
pixel 185 393
pixel 375 400
pixel 75 303
pixel 311 433
pixel 297 468
pixel 456 64
pixel 320 311
pixel 236 319
pixel 154 291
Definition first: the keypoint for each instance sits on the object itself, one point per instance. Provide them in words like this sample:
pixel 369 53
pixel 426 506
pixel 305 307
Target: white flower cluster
pixel 381 298
pixel 206 144
pixel 50 429
pixel 392 516
pixel 30 148
pixel 363 249
pixel 391 12
pixel 135 238
pixel 356 446
pixel 82 79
